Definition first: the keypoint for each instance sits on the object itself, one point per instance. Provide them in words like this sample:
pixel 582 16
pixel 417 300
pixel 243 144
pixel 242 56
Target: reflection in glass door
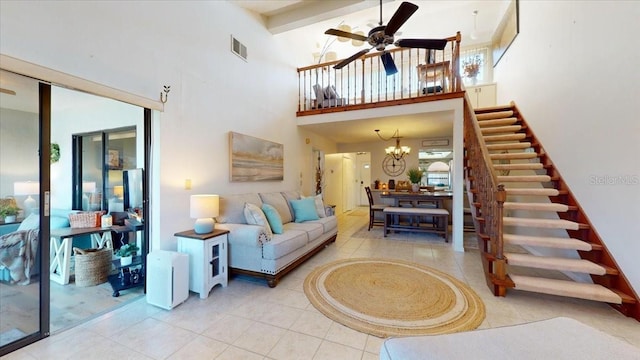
pixel 23 313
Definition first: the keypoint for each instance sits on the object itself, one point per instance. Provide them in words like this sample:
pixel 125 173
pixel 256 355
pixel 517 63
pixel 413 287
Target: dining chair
pixel 373 208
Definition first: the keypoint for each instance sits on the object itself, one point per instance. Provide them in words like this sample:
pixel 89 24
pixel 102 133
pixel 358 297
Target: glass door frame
pixel 44 151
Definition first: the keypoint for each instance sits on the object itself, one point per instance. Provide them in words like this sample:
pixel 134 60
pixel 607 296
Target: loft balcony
pixel 422 75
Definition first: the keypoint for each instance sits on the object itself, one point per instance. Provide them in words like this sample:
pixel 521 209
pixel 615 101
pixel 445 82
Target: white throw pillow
pixel 254 216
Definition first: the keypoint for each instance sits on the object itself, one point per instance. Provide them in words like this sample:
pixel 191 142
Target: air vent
pixel 238 48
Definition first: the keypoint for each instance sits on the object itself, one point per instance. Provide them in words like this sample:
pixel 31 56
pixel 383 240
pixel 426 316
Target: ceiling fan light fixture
pixel 355 42
pixel 345 28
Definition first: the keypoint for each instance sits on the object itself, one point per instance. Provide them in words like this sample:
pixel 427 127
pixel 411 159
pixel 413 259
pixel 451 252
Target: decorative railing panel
pixel 489 193
pixel 421 73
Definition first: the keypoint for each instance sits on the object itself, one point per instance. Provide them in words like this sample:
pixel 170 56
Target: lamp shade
pixel 204 208
pixel 26 188
pixel 118 191
pixel 88 187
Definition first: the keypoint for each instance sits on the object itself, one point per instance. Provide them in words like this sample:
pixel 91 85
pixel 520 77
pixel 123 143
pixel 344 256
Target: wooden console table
pixel 60 247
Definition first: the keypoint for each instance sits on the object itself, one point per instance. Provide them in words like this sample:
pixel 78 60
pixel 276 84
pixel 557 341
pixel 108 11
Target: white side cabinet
pixel 208 259
pixel 482 95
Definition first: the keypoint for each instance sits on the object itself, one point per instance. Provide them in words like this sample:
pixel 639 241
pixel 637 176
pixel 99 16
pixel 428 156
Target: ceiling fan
pixel 382 35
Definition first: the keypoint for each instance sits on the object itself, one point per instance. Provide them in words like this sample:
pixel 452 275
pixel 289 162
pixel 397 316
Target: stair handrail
pixel 491 194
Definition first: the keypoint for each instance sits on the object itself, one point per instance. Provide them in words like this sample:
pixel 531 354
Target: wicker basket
pixel 85 219
pixel 92 266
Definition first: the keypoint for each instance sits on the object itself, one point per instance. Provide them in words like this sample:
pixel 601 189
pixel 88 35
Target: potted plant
pixel 126 253
pixel 9 210
pixel 415 176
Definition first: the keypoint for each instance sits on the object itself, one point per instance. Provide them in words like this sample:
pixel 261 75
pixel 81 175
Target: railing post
pixel 456 61
pixel 501 196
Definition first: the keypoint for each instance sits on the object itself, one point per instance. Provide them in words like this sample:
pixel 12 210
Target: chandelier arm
pixel 395 135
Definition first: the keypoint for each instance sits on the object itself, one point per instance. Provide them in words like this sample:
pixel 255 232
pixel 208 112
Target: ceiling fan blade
pixel 403 14
pixel 437 44
pixel 346 61
pixel 345 34
pixel 387 61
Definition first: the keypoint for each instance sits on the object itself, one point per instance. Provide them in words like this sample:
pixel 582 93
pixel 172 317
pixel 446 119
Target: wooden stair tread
pixel 556 207
pixel 550 242
pixel 558 263
pixel 527 166
pixel 513 156
pixel 500 129
pixel 541 223
pixel 565 288
pixel 509 146
pixel 498 122
pixel 524 178
pixel 536 192
pixel 508 137
pixel 481 114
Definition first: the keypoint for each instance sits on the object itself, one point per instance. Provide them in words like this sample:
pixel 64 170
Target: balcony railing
pixel 423 75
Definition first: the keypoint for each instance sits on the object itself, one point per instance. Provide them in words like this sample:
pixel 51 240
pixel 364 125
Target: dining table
pixel 415 198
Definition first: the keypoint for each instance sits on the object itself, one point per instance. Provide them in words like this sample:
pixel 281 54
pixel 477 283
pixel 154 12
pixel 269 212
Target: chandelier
pixel 397 152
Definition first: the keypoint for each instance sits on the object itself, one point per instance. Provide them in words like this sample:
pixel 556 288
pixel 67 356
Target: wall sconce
pixel 27 188
pixel 204 208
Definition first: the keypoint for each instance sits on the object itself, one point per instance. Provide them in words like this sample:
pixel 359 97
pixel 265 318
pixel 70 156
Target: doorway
pixel 36 126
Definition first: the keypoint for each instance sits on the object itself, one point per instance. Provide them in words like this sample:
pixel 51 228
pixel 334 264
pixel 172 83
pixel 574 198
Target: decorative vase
pixel 10 218
pixel 126 260
pixel 415 188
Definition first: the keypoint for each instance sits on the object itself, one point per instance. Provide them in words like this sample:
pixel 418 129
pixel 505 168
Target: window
pixel 473 66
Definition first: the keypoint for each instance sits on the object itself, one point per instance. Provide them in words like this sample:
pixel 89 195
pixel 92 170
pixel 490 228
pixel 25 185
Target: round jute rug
pixel 385 298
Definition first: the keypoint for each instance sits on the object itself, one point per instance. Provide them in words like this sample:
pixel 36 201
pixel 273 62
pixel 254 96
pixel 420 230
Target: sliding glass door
pixel 24 221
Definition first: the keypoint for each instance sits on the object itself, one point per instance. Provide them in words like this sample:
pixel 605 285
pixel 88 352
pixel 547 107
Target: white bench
pixel 440 225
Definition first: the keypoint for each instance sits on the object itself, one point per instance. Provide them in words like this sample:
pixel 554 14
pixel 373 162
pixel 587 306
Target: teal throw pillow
pixel 273 217
pixel 304 209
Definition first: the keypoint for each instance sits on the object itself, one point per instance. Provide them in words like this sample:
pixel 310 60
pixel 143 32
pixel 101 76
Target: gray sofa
pixel 254 251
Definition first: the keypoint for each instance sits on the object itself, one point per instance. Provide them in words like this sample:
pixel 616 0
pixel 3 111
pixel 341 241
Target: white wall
pixel 572 71
pixel 89 113
pixel 140 46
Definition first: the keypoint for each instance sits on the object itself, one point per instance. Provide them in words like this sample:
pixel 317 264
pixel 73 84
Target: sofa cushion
pixel 329 223
pixel 273 217
pixel 232 207
pixel 314 230
pixel 254 216
pixel 58 219
pixel 278 201
pixel 319 205
pixel 304 210
pixel 283 244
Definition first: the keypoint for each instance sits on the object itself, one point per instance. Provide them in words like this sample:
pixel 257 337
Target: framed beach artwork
pixel 254 159
pixel 506 32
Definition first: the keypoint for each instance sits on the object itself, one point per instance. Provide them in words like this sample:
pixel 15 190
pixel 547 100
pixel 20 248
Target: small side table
pixel 208 259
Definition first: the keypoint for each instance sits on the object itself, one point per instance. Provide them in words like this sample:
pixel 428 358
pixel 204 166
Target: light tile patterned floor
pixel 248 320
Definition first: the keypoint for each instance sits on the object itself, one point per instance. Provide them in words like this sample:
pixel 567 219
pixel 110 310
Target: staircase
pixel 528 221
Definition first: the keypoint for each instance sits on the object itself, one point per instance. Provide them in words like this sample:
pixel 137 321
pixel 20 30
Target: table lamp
pixel 88 187
pixel 204 208
pixel 27 188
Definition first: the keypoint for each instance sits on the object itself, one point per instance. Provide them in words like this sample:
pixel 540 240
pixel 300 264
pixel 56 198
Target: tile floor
pixel 248 320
